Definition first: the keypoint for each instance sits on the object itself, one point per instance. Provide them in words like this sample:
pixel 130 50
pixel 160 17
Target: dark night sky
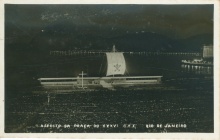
pixel 83 25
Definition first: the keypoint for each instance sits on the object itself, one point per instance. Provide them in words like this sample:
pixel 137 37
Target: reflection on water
pixel 197 69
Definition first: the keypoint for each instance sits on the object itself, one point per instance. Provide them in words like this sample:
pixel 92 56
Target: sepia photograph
pixel 109 68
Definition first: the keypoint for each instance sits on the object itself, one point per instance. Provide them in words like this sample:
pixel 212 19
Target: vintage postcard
pixel 111 69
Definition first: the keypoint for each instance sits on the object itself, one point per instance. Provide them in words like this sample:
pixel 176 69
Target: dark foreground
pixel 174 109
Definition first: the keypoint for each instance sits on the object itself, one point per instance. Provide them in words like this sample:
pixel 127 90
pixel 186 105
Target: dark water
pixel 182 103
pixel 95 65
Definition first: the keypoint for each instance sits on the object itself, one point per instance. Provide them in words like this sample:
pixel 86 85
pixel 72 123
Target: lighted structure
pixel 207 51
pixel 115 76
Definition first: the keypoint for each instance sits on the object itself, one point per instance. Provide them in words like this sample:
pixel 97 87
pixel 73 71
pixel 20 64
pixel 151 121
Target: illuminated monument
pixel 115 76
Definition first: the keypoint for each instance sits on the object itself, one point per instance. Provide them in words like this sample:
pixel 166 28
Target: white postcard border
pixel 214 135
